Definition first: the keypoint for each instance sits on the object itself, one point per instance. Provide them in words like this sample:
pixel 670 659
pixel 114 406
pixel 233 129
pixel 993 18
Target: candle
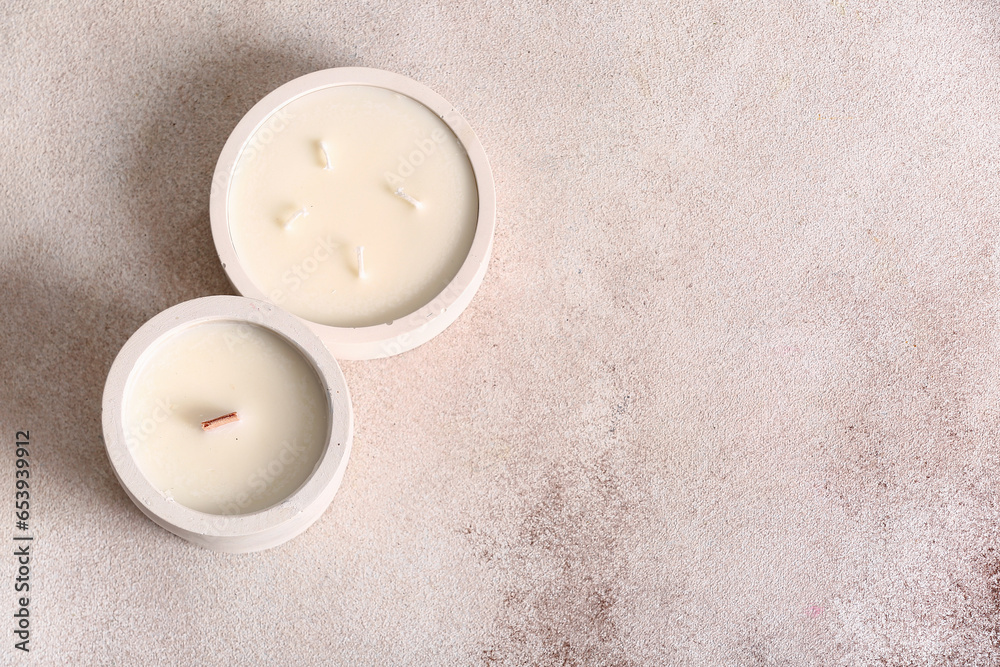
pixel 226 418
pixel 389 149
pixel 228 423
pixel 359 201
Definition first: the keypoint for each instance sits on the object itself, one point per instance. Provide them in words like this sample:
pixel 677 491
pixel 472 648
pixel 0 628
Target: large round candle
pixel 356 172
pixel 359 201
pixel 228 423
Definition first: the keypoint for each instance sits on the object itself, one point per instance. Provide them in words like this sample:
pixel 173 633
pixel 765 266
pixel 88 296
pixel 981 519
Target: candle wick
pixel 361 262
pixel 326 156
pixel 301 213
pixel 408 198
pixel 219 421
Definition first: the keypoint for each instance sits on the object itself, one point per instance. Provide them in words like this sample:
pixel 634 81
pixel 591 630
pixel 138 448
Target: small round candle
pixel 361 202
pixel 208 372
pixel 228 423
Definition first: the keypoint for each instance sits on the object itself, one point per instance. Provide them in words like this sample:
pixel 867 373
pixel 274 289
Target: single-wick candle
pixel 182 395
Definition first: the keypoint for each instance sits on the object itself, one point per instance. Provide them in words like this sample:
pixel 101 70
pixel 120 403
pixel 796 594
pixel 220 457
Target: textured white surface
pixel 728 394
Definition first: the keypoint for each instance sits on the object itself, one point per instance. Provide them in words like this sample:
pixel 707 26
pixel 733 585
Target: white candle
pixel 392 151
pixel 228 423
pixel 346 159
pixel 210 370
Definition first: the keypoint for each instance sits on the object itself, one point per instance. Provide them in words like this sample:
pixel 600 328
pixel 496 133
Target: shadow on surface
pixel 60 334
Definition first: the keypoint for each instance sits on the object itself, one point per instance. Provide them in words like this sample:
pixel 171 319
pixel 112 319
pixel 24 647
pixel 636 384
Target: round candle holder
pixel 402 333
pixel 234 533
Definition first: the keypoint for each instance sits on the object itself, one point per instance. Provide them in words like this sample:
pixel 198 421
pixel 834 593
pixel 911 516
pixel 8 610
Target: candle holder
pixel 237 532
pixel 266 120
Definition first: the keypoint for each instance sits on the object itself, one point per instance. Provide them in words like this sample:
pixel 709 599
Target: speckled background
pixel 728 395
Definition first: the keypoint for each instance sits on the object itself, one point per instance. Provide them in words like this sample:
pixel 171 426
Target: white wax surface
pixel 376 141
pixel 209 370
